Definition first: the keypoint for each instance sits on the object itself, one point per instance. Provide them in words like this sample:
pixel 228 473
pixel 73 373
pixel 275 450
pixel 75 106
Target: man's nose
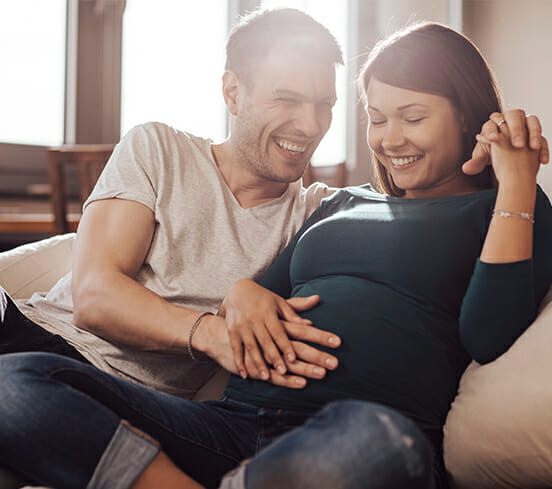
pixel 308 120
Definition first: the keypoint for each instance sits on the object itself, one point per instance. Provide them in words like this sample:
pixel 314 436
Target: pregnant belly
pixel 394 349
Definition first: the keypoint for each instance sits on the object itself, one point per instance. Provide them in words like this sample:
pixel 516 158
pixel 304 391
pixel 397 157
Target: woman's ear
pixel 231 87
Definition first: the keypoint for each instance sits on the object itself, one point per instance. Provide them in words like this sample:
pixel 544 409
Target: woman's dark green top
pixel 400 282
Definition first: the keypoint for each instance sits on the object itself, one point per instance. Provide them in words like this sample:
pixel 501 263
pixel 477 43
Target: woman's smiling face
pixel 418 138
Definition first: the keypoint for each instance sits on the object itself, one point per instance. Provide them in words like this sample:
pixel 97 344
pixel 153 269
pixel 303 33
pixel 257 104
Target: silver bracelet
pixel 192 331
pixel 522 215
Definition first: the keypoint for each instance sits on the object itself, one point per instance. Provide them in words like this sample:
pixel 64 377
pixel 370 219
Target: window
pixel 333 15
pixel 173 60
pixel 32 85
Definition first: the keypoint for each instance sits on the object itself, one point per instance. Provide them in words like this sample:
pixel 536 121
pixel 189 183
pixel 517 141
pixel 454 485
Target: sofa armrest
pixel 37 266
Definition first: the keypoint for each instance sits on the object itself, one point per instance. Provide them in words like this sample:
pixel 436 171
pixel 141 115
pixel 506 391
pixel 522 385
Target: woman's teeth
pixel 404 161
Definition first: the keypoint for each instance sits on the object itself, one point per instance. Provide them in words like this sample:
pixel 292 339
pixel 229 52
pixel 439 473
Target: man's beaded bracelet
pixel 521 215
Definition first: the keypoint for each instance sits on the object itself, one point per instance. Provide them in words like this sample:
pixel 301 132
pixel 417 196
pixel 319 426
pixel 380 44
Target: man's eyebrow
pixel 402 107
pixel 284 92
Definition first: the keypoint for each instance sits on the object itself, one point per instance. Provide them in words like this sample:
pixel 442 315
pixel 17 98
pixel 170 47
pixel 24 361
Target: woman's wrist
pixel 516 196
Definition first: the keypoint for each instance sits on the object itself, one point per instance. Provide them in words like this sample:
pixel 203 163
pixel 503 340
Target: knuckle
pixel 271 354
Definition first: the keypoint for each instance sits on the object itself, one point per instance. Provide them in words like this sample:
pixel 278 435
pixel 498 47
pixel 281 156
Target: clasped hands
pixel 513 132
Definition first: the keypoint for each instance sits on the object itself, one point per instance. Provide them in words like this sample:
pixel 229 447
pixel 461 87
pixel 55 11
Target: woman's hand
pixel 521 128
pixel 510 234
pixel 260 324
pixel 515 164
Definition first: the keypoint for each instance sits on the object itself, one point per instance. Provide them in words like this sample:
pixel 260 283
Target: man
pixel 175 219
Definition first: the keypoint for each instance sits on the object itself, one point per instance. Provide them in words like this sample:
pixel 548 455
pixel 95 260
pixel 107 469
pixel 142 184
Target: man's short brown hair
pixel 261 31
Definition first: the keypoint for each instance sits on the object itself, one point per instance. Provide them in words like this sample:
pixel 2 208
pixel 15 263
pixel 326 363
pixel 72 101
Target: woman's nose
pixel 393 136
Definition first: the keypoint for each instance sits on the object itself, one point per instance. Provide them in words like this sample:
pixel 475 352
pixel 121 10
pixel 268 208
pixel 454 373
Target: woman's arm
pixel 509 280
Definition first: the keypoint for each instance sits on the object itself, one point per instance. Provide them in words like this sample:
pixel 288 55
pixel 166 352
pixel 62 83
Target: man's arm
pixel 112 242
pixel 113 239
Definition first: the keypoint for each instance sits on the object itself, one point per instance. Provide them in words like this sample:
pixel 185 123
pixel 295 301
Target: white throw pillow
pixel 37 266
pixel 498 433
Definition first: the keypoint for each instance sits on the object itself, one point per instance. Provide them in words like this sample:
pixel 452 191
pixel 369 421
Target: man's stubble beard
pixel 253 156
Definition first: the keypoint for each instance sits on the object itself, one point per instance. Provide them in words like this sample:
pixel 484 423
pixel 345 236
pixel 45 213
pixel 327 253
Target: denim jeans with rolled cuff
pixel 67 425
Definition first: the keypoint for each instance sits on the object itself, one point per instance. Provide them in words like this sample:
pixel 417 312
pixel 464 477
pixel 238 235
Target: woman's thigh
pixel 68 410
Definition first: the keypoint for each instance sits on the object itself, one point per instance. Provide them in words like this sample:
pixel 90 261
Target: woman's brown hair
pixel 433 58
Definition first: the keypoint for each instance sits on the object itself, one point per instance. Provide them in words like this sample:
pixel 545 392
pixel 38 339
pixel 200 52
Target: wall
pixel 516 38
pixel 377 19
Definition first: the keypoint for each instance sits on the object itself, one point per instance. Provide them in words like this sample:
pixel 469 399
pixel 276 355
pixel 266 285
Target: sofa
pixel 498 433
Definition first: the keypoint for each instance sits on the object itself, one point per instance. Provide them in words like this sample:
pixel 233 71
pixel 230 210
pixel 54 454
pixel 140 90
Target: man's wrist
pixel 204 338
pixel 193 329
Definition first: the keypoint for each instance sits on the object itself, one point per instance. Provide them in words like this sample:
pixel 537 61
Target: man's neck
pixel 248 188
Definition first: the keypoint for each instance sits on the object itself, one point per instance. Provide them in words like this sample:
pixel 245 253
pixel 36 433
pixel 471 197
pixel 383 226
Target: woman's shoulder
pixel 364 192
pixel 348 197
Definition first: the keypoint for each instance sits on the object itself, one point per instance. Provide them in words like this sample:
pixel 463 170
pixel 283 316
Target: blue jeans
pixel 66 424
pixel 18 333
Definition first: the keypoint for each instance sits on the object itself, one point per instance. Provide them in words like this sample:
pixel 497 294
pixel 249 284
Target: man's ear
pixel 231 88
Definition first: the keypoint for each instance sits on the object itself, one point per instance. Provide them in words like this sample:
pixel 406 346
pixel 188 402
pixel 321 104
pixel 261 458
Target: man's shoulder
pixel 165 132
pixel 156 146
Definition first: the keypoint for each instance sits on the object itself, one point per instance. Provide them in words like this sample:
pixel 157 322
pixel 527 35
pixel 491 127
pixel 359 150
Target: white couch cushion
pixel 498 432
pixel 37 266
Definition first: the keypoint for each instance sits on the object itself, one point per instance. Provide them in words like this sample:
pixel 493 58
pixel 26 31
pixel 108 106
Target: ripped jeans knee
pixel 347 445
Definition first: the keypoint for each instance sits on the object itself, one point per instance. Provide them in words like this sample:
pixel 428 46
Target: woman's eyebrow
pixel 409 106
pixel 402 107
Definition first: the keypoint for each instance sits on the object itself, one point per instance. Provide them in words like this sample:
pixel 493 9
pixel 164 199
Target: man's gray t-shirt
pixel 202 243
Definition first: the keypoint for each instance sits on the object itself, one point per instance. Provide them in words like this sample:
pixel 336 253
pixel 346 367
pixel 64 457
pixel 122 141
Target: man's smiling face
pixel 284 111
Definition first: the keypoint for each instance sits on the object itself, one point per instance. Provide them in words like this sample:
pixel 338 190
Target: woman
pixel 439 268
pixel 396 272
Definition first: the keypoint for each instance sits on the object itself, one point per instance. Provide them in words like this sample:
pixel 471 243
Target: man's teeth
pixel 291 147
pixel 404 161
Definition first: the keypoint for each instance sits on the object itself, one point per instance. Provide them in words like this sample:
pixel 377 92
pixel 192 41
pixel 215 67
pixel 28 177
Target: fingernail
pixel 281 369
pixel 300 382
pixel 264 374
pixel 331 362
pixel 243 374
pixel 291 357
pixel 319 371
pixel 333 340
